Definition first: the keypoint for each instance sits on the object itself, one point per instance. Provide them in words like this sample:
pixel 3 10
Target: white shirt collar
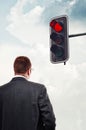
pixel 20 76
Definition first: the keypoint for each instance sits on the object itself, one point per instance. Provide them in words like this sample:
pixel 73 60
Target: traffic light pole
pixel 76 35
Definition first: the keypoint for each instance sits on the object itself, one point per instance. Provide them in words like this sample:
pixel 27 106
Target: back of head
pixel 21 64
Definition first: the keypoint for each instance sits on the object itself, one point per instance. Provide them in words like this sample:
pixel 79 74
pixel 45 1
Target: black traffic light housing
pixel 59 51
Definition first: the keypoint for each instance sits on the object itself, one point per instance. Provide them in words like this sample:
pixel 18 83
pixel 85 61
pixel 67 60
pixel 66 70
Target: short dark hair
pixel 21 64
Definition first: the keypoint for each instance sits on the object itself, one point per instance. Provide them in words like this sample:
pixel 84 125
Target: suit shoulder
pixel 4 86
pixel 37 85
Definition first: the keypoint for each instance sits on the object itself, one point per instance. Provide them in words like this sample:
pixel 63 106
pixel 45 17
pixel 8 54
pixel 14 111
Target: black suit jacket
pixel 25 105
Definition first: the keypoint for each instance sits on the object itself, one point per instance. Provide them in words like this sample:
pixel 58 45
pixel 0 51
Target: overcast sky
pixel 24 30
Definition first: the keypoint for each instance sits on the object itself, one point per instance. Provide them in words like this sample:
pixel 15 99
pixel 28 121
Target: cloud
pixel 79 10
pixel 67 91
pixel 26 27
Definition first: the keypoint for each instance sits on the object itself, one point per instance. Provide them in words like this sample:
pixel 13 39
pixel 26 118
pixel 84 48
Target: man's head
pixel 22 66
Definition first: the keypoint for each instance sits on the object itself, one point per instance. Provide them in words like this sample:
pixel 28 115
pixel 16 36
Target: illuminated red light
pixel 56 26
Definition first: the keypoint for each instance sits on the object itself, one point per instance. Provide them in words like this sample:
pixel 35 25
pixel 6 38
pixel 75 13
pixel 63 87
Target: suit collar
pixel 19 78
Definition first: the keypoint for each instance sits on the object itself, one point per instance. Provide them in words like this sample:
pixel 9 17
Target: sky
pixel 24 30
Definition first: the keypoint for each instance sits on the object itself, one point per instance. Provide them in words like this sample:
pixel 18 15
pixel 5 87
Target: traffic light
pixel 59 39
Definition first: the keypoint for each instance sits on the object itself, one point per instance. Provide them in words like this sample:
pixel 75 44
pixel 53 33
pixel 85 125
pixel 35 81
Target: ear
pixel 29 72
